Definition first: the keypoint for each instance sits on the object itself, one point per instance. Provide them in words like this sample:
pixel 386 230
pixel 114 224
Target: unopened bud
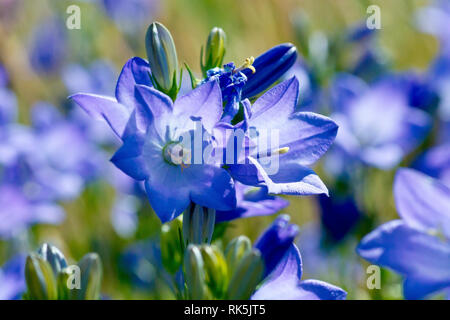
pixel 91 278
pixel 246 277
pixel 215 50
pixel 54 257
pixel 162 57
pixel 216 270
pixel 236 250
pixel 269 66
pixel 40 279
pixel 194 273
pixel 198 224
pixel 172 245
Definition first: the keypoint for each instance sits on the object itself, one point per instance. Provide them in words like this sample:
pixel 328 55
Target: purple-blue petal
pixel 135 71
pixel 418 256
pixel 422 202
pixel 104 108
pixel 204 102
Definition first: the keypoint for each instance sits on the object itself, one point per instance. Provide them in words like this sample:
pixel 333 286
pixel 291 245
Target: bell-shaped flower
pixel 377 125
pixel 283 143
pixel 411 246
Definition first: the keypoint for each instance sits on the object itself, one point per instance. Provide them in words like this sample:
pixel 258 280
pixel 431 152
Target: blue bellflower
pixel 377 125
pixel 61 172
pixel 410 246
pixel 18 211
pixel 435 20
pixel 12 278
pixel 435 162
pixel 48 46
pixel 130 16
pixel 150 126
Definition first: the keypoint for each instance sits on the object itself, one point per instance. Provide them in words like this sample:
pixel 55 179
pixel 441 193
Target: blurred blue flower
pixel 439 75
pixel 19 211
pixel 377 125
pixel 435 20
pixel 359 33
pixel 63 158
pixel 411 246
pixel 252 202
pixel 124 215
pixel 12 278
pixel 141 262
pixel 339 215
pixel 435 162
pixel 47 49
pixel 131 16
pixel 4 76
pixel 367 59
pixel 21 201
pixel 302 138
pixel 420 90
pixel 95 78
pixel 8 100
pixel 8 106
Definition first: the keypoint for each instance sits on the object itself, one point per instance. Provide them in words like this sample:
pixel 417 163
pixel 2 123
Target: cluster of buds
pixel 48 277
pixel 213 274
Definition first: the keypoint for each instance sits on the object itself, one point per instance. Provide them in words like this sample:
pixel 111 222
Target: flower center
pixel 175 154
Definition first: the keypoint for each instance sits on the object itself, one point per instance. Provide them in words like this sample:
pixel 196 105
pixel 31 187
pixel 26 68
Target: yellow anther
pixel 282 150
pixel 248 64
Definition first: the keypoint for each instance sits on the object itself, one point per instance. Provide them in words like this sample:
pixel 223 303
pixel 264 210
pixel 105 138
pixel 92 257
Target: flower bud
pixel 246 277
pixel 40 279
pixel 91 278
pixel 62 285
pixel 54 257
pixel 236 250
pixel 215 50
pixel 276 241
pixel 162 58
pixel 194 273
pixel 270 66
pixel 198 224
pixel 172 245
pixel 216 270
